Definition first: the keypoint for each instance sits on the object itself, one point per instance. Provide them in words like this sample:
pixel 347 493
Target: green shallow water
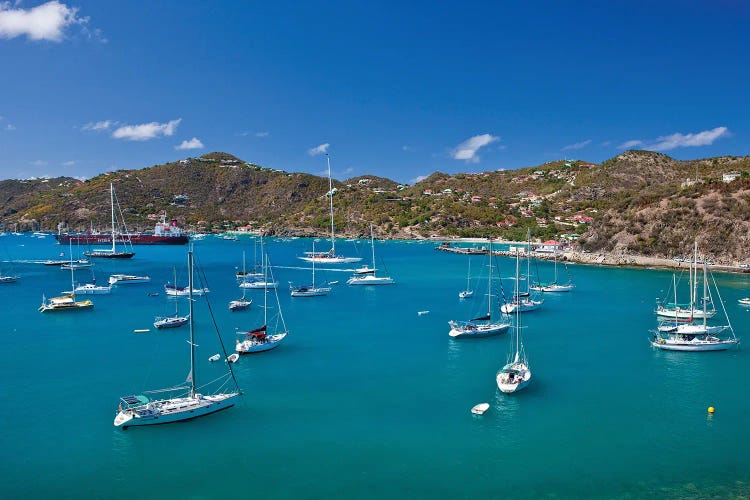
pixel 366 398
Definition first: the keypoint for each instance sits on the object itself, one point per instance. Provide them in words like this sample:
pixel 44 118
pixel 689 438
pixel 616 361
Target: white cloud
pixel 40 163
pixel 318 150
pixel 408 149
pixel 146 131
pixel 418 178
pixel 98 126
pixel 262 134
pixel 10 127
pixel 678 140
pixel 630 144
pixel 467 150
pixel 349 170
pixel 577 145
pixel 69 163
pixel 193 143
pixel 43 22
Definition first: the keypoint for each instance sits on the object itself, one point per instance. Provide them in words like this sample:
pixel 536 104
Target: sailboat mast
pixel 489 285
pixel 694 282
pixel 176 310
pixel 192 329
pixel 265 288
pixel 518 311
pixel 72 274
pixel 372 244
pixel 112 205
pixel 330 196
pixel 705 285
pixel 528 260
pixel 313 263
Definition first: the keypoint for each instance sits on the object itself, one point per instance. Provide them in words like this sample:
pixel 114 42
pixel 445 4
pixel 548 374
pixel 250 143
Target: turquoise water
pixel 366 398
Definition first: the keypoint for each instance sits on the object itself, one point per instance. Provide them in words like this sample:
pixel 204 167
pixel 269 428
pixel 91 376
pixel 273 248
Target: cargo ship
pixel 165 233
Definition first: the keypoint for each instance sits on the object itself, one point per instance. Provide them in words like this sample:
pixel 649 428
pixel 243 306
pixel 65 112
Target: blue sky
pixel 396 89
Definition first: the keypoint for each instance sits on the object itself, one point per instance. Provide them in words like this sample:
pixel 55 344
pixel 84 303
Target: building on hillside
pixel 730 176
pixel 550 246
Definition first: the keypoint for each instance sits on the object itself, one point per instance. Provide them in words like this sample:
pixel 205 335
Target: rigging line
pixel 204 283
pixel 729 323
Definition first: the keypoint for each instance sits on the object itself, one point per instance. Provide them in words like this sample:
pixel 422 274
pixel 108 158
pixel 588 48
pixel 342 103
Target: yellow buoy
pixel 711 409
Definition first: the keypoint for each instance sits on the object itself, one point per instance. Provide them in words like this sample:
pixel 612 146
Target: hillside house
pixel 730 176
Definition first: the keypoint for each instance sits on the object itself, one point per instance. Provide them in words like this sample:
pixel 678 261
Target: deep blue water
pixel 366 398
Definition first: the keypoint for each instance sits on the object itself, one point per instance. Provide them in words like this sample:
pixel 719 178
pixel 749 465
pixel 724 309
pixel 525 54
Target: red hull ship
pixel 164 234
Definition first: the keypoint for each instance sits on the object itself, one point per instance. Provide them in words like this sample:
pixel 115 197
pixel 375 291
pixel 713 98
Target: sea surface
pixel 366 398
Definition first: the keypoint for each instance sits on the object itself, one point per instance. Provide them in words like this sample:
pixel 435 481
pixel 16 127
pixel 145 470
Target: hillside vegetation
pixel 638 202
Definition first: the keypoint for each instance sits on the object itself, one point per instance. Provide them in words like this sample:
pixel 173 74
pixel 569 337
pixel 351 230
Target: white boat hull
pixel 525 306
pixel 250 346
pixel 259 285
pixel 477 331
pixel 174 410
pixel 125 279
pixel 369 280
pixel 331 260
pixel 552 288
pixel 512 378
pixel 693 345
pixel 90 289
pixel 310 292
pixel 684 313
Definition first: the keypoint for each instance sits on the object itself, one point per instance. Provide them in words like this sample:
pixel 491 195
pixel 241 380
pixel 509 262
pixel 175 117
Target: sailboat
pixel 182 291
pixel 473 328
pixel 174 320
pixel 687 312
pixel 67 301
pixel 242 303
pixel 309 290
pixel 522 301
pixel 330 256
pixel 7 278
pixel 263 281
pixel 257 271
pixel 92 288
pixel 370 278
pixel 259 340
pixel 468 293
pixel 554 286
pixel 691 336
pixel 187 403
pixel 516 374
pixel 111 253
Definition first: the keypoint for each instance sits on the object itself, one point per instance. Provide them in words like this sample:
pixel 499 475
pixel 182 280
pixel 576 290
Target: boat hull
pixel 250 347
pixel 331 260
pixel 135 239
pixel 458 332
pixel 175 410
pixel 369 279
pixel 694 346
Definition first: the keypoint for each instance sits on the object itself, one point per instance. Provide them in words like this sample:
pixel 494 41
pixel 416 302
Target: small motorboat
pixel 213 358
pixel 480 408
pixel 232 358
pixel 745 301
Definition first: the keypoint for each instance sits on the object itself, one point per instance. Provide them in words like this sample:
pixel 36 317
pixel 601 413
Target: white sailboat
pixel 687 312
pixel 330 256
pixel 173 320
pixel 124 279
pixel 554 286
pixel 516 374
pixel 692 336
pixel 522 301
pixel 370 278
pixel 309 290
pixel 259 340
pixel 242 303
pixel 188 403
pixel 468 292
pixel 67 301
pixel 477 327
pixel 106 252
